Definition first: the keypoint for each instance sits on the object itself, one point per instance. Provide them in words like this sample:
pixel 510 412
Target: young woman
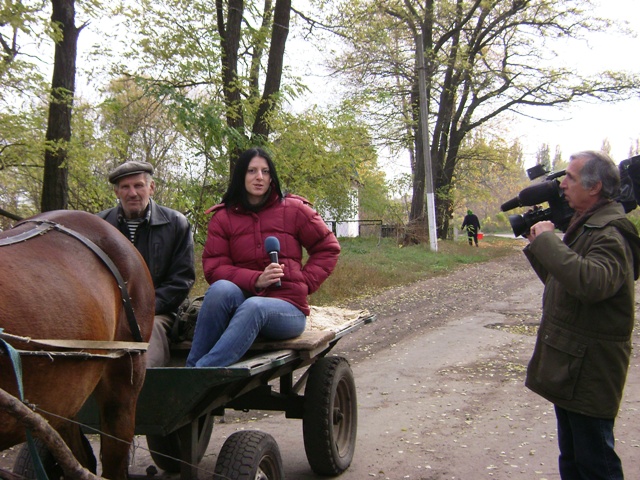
pixel 250 295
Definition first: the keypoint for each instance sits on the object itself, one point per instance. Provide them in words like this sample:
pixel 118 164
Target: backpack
pixel 186 317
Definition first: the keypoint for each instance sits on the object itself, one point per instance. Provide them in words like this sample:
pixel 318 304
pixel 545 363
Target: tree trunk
pixel 445 181
pixel 280 31
pixel 230 35
pixel 441 152
pixel 419 169
pixel 258 49
pixel 230 39
pixel 55 192
pixel 418 224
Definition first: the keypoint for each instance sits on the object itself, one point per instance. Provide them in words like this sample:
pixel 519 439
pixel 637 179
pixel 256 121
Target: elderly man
pixel 163 238
pixel 582 352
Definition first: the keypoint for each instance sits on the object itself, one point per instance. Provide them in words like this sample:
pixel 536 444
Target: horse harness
pixel 44 226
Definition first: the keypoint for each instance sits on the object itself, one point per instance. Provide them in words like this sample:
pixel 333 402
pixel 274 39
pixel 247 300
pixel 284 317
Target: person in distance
pixel 582 352
pixel 472 224
pixel 249 294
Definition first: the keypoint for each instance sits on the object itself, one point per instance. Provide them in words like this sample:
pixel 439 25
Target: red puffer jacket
pixel 235 251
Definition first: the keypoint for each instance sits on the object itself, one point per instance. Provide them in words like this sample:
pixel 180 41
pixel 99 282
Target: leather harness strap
pixel 21 237
pixel 43 226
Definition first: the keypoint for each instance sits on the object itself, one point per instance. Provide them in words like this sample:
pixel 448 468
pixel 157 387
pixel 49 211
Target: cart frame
pixel 181 402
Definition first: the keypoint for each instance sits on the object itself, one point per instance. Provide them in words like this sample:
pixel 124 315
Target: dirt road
pixel 440 387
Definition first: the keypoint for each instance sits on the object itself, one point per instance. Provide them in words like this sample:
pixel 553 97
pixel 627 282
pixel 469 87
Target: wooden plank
pixel 78 344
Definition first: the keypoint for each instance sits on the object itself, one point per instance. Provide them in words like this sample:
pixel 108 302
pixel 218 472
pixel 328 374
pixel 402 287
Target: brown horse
pixel 54 287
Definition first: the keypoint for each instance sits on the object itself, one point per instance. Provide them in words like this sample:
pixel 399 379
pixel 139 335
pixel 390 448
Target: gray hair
pixel 599 167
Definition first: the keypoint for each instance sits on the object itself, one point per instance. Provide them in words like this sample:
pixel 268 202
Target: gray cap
pixel 130 168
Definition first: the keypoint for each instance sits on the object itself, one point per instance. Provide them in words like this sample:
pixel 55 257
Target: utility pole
pixel 426 150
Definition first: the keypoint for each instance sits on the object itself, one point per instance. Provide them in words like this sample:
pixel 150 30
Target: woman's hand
pixel 272 273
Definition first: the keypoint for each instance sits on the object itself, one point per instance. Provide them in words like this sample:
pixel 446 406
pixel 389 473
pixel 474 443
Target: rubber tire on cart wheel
pixel 23 465
pixel 330 419
pixel 249 455
pixel 165 450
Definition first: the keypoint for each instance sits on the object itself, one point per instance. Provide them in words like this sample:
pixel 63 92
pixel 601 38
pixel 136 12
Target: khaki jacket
pixel 582 352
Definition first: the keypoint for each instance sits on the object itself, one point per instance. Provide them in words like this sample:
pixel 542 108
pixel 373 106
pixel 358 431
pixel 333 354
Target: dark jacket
pixel 166 244
pixel 472 223
pixel 582 352
pixel 234 249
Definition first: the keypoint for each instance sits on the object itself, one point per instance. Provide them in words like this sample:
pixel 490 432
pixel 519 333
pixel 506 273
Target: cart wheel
pixel 166 451
pixel 249 455
pixel 23 465
pixel 330 420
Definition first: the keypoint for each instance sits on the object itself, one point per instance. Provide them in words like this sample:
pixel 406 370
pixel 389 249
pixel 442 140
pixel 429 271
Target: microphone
pixel 272 246
pixel 533 195
pixel 511 204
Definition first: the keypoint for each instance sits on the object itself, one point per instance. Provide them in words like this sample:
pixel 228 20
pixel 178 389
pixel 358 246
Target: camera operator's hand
pixel 539 228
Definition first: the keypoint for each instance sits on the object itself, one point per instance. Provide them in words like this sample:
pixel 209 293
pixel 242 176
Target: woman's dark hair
pixel 236 192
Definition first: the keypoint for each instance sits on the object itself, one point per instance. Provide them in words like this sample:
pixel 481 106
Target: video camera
pixel 559 212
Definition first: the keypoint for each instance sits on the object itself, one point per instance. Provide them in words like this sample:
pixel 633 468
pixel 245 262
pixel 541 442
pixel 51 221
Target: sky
pixel 585 126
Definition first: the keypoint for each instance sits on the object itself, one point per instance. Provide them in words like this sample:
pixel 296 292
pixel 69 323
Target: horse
pixel 56 286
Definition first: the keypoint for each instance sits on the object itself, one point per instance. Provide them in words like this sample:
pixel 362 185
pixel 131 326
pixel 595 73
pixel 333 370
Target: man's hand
pixel 539 228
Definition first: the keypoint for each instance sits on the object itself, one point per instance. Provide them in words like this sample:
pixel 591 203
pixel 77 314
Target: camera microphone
pixel 511 204
pixel 272 246
pixel 533 195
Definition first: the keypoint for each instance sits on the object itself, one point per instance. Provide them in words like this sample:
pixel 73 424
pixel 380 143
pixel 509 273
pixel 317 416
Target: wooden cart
pixel 177 406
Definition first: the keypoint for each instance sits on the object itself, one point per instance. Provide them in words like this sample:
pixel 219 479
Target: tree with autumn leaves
pixel 484 59
pixel 215 70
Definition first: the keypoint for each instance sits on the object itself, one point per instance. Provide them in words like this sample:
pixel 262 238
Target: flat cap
pixel 130 168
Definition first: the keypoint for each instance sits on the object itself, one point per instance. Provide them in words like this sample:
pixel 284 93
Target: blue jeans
pixel 228 323
pixel 586 447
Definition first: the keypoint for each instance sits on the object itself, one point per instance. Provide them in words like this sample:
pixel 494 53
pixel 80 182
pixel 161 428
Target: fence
pixel 356 228
pixel 364 228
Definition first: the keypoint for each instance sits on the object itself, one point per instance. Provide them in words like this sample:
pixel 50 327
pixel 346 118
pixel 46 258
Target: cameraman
pixel 582 352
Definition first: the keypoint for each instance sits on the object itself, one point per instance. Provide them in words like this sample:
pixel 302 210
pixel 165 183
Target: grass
pixel 369 265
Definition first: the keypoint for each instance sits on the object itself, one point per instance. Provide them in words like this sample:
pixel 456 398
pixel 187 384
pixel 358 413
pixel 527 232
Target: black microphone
pixel 533 195
pixel 511 204
pixel 272 246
